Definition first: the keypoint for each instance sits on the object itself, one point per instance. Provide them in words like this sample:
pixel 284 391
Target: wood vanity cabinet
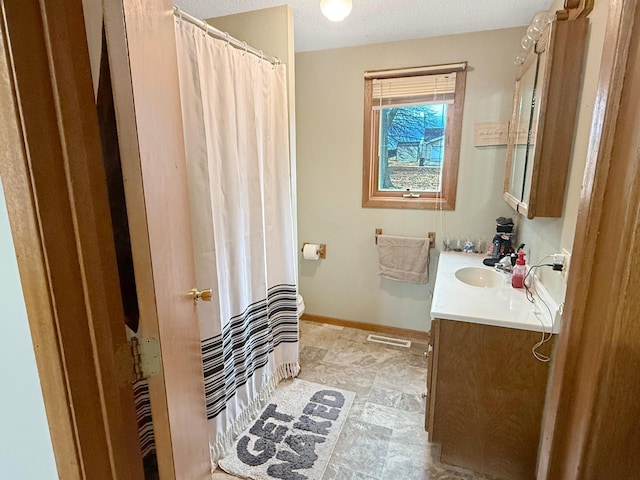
pixel 485 396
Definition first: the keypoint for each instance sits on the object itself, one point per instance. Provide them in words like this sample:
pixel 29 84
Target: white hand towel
pixel 405 259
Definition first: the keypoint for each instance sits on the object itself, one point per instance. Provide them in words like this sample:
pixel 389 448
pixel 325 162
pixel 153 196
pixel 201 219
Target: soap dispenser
pixel 519 271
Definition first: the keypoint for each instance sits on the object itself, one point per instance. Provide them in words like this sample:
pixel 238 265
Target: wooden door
pixel 144 74
pixel 52 172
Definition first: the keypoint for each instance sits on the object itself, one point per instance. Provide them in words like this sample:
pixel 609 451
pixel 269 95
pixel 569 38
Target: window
pixel 412 126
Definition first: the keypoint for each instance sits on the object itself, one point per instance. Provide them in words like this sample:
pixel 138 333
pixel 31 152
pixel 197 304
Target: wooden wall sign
pixel 490 133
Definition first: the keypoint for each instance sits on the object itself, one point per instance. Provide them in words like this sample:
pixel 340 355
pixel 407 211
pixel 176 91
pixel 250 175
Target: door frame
pixel 592 400
pixel 55 190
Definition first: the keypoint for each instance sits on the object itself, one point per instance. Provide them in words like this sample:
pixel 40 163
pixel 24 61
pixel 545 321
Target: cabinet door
pixel 487 394
pixel 431 365
pixel 544 113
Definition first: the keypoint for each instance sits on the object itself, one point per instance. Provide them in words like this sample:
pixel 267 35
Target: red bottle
pixel 519 271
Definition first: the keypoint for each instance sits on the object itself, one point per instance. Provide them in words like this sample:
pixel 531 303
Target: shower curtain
pixel 236 135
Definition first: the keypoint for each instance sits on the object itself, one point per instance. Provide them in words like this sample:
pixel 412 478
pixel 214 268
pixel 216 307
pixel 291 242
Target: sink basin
pixel 480 277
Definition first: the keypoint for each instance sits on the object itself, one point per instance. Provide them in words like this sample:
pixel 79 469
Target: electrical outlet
pixel 558 261
pixel 567 263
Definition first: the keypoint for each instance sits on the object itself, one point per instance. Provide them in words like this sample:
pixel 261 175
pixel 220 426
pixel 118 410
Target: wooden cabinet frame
pixel 560 57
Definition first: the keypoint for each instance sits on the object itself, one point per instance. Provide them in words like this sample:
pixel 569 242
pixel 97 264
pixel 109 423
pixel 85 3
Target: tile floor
pixel 384 437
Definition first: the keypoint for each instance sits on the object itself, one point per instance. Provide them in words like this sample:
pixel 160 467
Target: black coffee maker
pixel 501 245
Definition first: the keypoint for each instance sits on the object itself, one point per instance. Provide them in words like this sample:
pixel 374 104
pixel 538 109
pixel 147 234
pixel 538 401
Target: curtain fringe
pixel 225 441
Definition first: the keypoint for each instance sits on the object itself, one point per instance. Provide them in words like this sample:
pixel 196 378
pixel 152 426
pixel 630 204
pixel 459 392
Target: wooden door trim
pixel 581 360
pixel 58 209
pixel 22 209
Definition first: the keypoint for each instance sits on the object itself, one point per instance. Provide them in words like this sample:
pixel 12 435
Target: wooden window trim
pixel 446 200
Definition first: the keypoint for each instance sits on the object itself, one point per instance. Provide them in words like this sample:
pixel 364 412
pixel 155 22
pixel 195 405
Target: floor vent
pixel 389 341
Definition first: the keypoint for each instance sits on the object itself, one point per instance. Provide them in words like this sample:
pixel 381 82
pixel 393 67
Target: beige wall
pixel 545 236
pixel 329 95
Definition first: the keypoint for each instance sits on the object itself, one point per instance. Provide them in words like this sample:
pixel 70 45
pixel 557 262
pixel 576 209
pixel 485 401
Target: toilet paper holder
pixel 322 250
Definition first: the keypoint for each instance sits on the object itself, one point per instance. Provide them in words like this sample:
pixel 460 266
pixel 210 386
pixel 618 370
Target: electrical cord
pixel 530 295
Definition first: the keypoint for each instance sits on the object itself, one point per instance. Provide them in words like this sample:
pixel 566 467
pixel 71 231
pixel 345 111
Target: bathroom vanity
pixel 485 389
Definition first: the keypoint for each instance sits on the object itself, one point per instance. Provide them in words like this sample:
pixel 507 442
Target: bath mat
pixel 294 436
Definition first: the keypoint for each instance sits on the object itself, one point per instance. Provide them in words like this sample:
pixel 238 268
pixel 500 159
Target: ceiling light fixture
pixel 335 10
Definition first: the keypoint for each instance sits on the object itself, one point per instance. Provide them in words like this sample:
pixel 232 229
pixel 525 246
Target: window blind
pixel 413 90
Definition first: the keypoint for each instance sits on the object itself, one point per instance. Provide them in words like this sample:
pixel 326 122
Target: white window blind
pixel 413 90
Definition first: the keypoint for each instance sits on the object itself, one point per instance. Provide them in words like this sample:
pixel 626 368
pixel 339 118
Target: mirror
pixel 524 98
pixel 544 109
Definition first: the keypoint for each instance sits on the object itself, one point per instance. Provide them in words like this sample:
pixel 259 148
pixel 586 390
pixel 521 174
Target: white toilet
pixel 300 305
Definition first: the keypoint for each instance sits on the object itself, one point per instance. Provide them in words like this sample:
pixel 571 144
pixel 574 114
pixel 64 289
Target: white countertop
pixel 502 306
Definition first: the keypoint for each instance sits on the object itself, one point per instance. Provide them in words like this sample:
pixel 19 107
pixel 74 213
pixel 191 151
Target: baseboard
pixel 372 327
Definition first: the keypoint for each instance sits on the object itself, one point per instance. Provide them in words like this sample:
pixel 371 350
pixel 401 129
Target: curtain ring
pixel 226 35
pixel 261 55
pixel 205 30
pixel 246 48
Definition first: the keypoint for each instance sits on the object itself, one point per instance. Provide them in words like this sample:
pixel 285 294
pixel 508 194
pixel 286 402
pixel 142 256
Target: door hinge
pixel 146 357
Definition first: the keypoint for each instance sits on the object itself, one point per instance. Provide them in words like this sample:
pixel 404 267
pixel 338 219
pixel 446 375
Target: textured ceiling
pixel 376 21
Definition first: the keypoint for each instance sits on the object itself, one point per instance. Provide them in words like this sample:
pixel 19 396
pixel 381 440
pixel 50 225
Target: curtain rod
pixel 413 71
pixel 211 30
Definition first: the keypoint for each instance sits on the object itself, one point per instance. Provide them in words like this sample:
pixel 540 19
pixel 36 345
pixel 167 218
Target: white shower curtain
pixel 236 134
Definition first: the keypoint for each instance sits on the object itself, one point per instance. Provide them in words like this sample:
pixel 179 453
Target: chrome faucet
pixel 504 265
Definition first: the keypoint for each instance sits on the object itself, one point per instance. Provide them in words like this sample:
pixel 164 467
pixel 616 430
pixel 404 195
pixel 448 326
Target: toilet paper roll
pixel 311 251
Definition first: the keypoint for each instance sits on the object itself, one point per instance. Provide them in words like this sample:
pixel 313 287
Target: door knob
pixel 200 295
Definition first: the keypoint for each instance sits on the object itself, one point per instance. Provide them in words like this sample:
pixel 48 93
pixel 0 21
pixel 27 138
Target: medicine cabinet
pixel 542 124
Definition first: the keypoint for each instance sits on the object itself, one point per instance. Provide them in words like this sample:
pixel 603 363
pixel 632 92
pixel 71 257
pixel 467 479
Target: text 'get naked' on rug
pixel 294 435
